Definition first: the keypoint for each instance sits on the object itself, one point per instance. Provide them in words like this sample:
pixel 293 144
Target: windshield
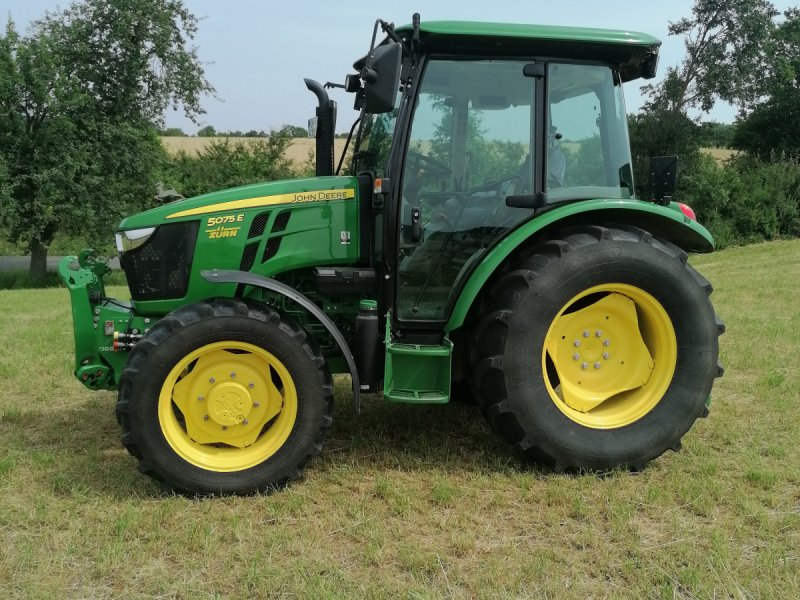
pixel 588 155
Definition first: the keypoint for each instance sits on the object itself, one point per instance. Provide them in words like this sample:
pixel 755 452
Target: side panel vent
pixel 248 256
pixel 272 248
pixel 258 225
pixel 281 221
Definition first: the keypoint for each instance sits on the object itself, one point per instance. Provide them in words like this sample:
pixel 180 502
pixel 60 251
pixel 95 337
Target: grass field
pixel 415 501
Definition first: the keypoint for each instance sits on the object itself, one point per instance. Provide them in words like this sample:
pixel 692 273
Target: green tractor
pixel 484 242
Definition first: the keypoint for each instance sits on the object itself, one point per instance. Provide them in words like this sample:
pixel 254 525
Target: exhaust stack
pixel 326 122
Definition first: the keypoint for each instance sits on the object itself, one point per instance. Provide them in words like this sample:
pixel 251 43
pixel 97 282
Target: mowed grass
pixel 415 501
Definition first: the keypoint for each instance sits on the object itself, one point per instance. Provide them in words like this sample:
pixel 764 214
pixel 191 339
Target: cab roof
pixel 634 54
pixel 535 32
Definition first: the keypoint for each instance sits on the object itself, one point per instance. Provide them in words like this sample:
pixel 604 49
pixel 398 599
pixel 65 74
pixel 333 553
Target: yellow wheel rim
pixel 227 406
pixel 609 356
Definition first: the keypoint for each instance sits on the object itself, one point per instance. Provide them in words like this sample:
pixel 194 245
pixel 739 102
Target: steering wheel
pixel 430 165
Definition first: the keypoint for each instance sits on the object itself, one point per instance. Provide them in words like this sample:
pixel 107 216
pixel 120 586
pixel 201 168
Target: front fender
pixel 272 285
pixel 665 222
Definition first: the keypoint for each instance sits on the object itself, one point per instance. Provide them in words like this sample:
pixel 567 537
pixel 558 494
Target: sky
pixel 256 54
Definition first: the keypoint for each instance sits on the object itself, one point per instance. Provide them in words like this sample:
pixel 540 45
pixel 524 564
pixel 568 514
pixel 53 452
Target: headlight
pixel 130 240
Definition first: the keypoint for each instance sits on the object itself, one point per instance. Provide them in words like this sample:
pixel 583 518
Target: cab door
pixel 470 145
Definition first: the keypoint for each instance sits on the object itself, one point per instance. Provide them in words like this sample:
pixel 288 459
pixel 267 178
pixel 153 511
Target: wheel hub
pixel 229 403
pixel 598 352
pixel 227 398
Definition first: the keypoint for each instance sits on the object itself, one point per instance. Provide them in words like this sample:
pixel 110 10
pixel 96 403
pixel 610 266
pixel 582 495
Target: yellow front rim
pixel 227 406
pixel 609 356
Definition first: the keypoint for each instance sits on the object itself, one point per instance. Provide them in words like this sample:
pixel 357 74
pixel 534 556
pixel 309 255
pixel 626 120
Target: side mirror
pixel 663 175
pixel 381 77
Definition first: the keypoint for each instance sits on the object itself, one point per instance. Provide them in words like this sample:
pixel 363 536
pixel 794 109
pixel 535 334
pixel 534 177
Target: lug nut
pixel 201 398
pixel 585 333
pixel 245 422
pixel 233 375
pixel 597 365
pixel 576 356
pixel 251 385
pixel 606 342
pixel 598 333
pixel 576 343
pixel 212 380
pixel 584 366
pixel 256 404
pixel 205 418
pixel 605 355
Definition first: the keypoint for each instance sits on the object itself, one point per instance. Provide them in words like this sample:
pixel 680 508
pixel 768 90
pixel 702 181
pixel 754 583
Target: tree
pixel 207 131
pixel 172 132
pixel 223 164
pixel 662 133
pixel 294 131
pixel 81 97
pixel 716 135
pixel 772 127
pixel 727 42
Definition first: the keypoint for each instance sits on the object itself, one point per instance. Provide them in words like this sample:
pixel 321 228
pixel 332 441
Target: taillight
pixel 687 210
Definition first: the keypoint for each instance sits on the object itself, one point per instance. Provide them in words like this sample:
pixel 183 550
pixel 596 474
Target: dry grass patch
pixel 720 154
pixel 415 501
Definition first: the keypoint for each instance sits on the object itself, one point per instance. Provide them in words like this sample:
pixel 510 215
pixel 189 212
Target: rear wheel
pixel 224 397
pixel 596 350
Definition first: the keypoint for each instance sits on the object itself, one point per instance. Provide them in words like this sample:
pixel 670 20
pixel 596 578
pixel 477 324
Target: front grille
pixel 281 221
pixel 273 245
pixel 257 226
pixel 159 270
pixel 248 256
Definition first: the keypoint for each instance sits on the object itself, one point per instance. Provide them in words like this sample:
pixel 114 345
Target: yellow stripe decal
pixel 293 198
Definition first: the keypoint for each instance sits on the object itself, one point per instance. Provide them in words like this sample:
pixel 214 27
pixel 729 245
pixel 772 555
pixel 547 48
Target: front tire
pixel 225 397
pixel 596 349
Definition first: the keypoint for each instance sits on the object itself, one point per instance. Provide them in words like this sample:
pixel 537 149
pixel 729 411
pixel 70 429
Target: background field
pixel 298 150
pixel 409 501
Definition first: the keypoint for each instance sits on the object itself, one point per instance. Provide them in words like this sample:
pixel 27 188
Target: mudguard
pixel 267 283
pixel 665 222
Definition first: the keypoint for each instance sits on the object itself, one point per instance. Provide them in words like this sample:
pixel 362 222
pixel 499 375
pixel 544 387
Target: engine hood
pixel 288 191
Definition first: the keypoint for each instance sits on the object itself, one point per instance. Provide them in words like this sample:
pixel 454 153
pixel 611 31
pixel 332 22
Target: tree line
pixel 747 53
pixel 84 90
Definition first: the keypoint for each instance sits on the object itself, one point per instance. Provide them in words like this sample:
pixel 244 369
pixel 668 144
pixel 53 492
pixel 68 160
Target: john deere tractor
pixel 481 239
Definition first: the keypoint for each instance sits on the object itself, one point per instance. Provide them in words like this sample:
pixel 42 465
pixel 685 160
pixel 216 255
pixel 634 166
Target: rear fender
pixel 665 222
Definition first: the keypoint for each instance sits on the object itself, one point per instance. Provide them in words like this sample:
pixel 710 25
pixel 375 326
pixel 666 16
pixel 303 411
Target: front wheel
pixel 597 349
pixel 225 397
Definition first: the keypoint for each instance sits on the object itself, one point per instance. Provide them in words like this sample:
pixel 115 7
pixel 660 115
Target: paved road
pixel 23 263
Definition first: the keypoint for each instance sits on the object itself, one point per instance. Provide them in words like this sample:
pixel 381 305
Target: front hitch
pixel 104 329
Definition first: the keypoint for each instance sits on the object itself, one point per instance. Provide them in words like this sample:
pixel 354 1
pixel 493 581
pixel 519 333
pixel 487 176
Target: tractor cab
pixel 483 153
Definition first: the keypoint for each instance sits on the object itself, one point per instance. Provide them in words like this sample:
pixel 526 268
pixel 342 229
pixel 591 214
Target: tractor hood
pixel 289 191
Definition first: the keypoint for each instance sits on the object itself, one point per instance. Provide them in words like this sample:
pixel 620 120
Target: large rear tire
pixel 225 397
pixel 596 349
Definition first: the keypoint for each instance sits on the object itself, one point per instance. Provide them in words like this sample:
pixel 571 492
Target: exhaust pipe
pixel 326 122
